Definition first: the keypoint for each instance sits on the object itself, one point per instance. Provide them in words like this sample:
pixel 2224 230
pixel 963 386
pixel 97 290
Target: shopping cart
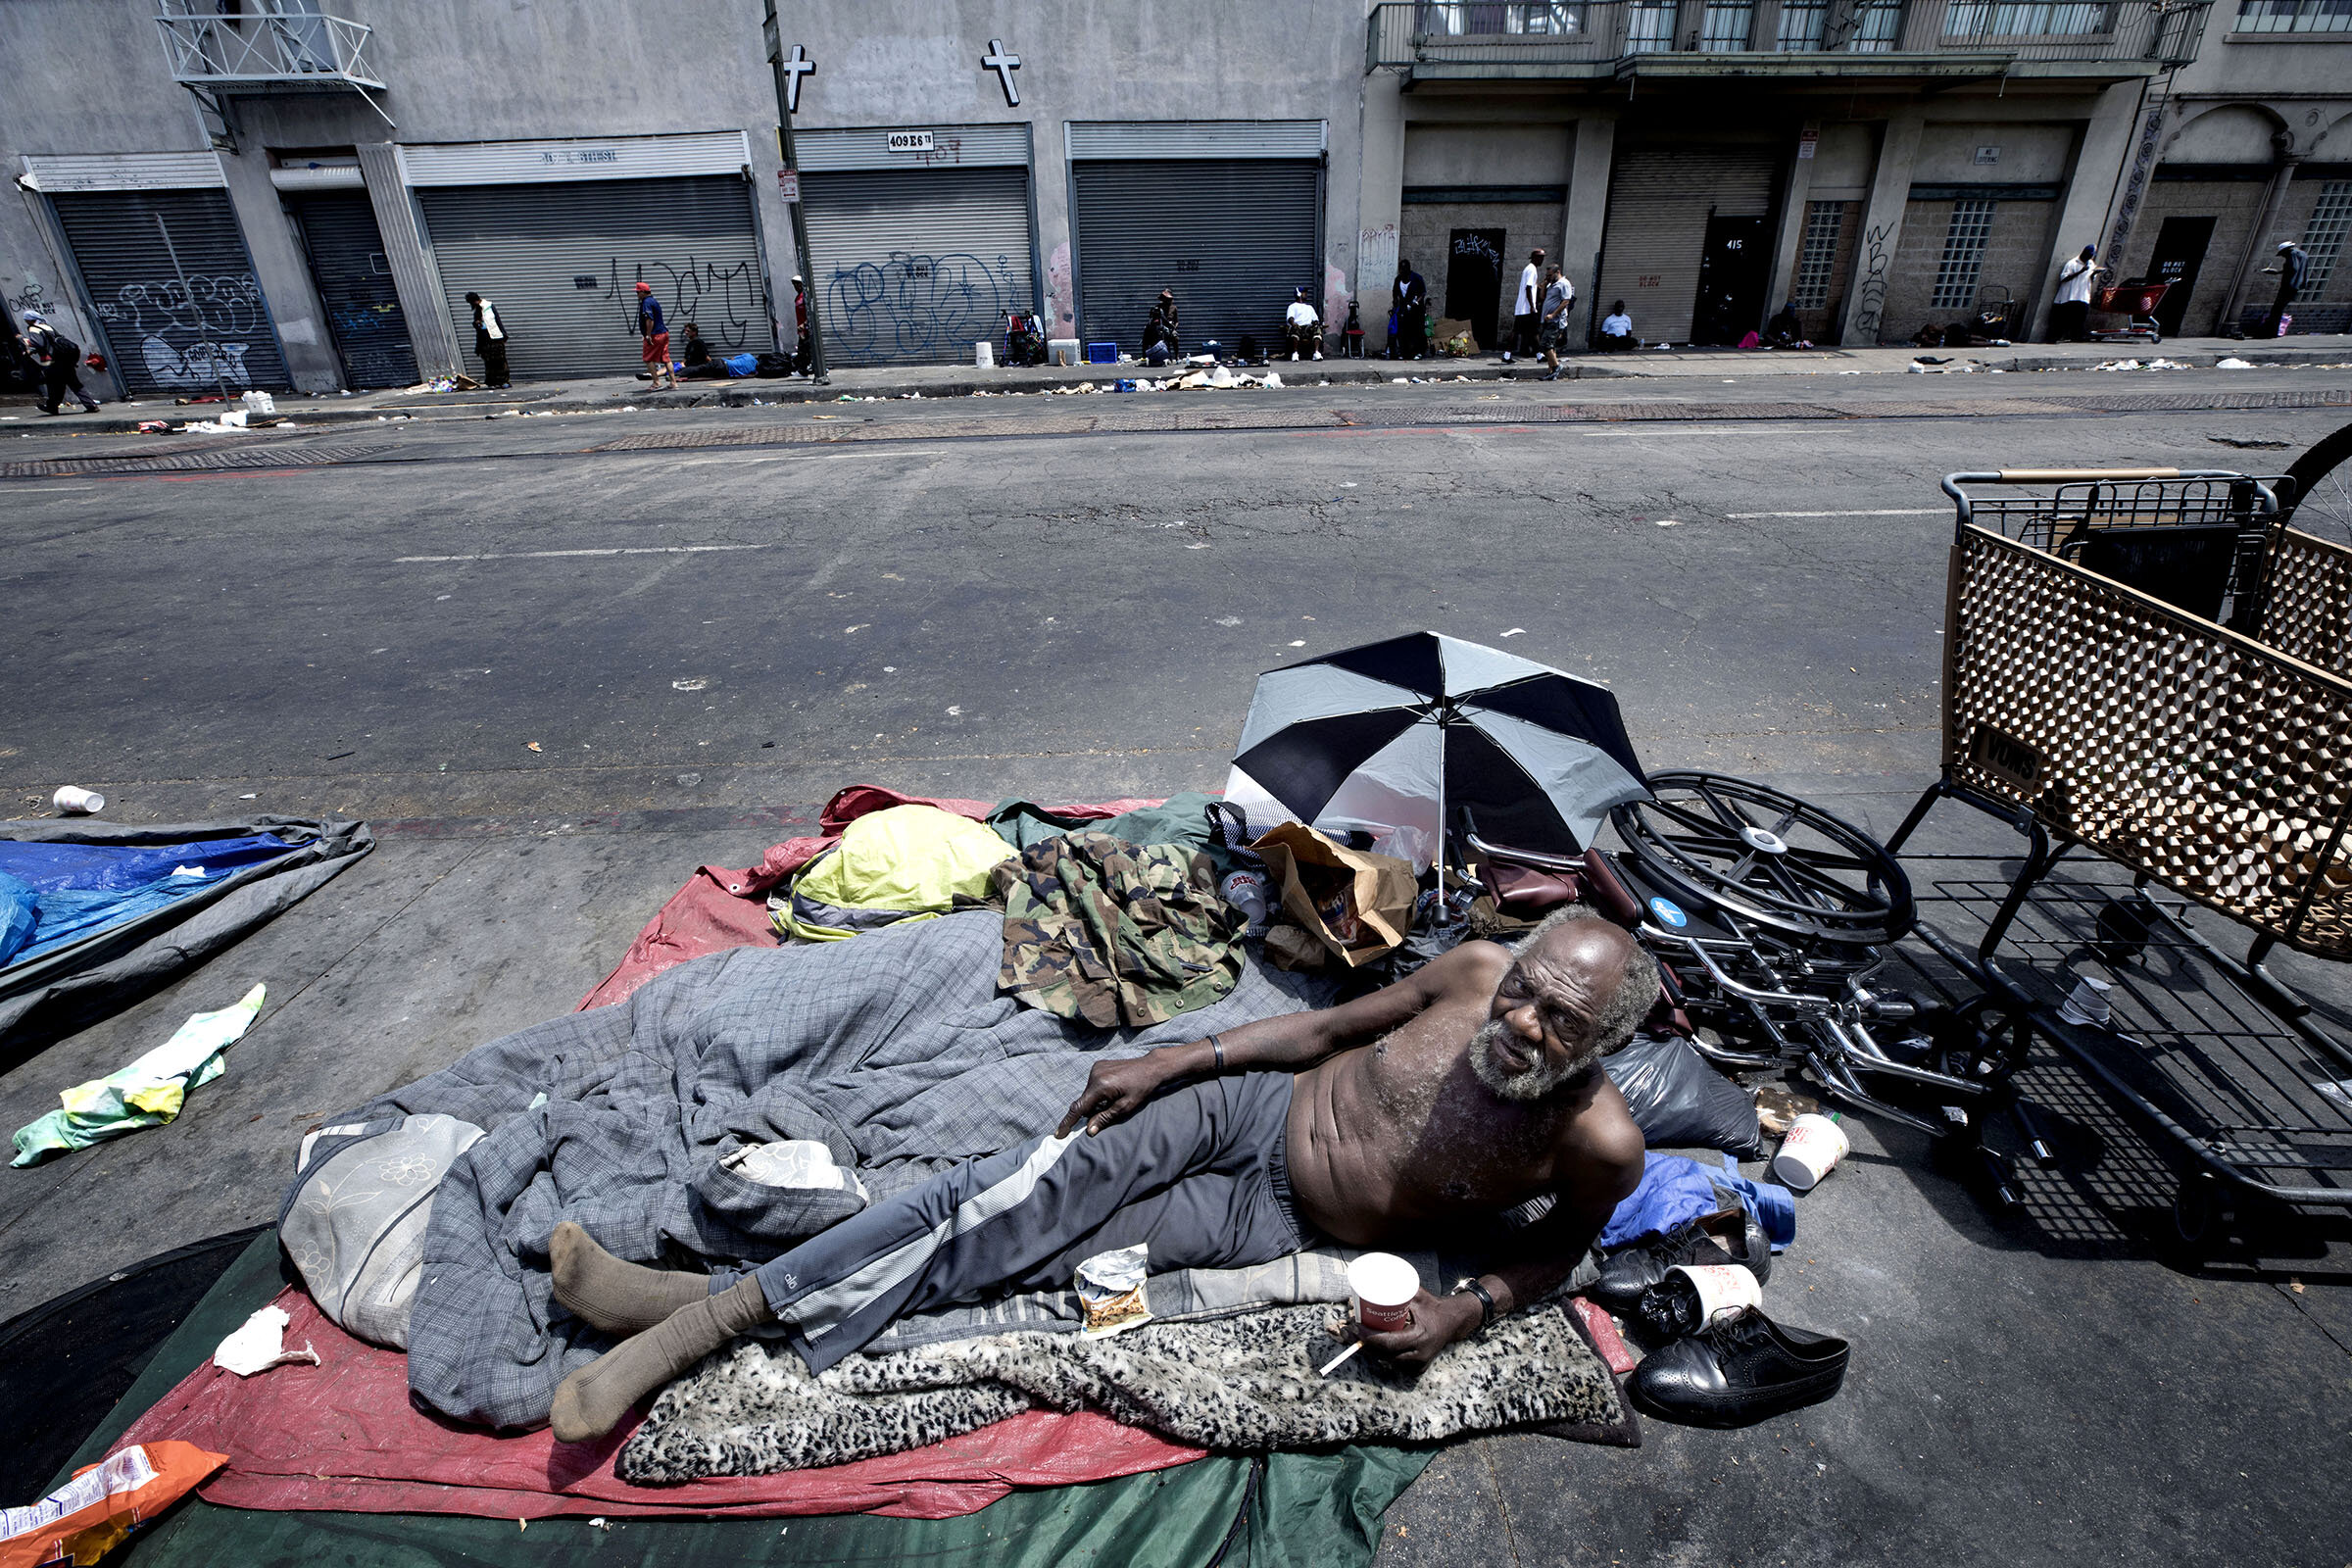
pixel 2136 302
pixel 2145 677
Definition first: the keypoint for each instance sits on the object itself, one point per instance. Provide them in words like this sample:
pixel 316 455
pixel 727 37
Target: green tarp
pixel 1297 1510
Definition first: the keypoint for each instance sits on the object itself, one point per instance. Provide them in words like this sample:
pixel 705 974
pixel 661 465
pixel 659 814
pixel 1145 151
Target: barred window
pixel 2324 235
pixel 2294 16
pixel 1963 255
pixel 1817 258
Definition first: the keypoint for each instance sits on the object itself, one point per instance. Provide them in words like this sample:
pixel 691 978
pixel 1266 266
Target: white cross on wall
pixel 1004 65
pixel 798 67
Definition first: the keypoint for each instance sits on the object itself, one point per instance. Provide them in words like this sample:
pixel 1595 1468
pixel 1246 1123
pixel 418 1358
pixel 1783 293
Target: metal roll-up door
pixel 1234 237
pixel 134 249
pixel 562 263
pixel 355 284
pixel 914 265
pixel 1660 198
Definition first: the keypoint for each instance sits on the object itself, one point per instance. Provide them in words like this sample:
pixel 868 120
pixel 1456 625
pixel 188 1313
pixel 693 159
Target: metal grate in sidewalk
pixel 191 461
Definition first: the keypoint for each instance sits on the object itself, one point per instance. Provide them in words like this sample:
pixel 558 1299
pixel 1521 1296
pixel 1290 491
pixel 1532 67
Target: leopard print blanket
pixel 1243 1382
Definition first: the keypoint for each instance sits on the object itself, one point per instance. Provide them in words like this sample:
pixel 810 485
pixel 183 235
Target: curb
pixel 1341 373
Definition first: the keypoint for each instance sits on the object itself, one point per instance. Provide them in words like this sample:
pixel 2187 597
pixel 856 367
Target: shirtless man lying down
pixel 1415 1116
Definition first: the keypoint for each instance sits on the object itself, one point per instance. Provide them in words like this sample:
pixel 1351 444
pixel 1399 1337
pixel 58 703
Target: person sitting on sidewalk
pixel 703 365
pixel 1303 328
pixel 1159 332
pixel 1617 330
pixel 1419 1116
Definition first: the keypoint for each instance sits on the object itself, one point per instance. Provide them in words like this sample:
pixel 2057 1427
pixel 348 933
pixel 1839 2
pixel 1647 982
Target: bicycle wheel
pixel 1766 857
pixel 2322 502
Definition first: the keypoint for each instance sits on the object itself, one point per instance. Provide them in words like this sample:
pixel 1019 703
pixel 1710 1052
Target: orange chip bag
pixel 89 1515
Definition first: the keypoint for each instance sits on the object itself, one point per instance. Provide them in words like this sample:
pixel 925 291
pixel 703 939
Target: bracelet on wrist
pixel 1486 1301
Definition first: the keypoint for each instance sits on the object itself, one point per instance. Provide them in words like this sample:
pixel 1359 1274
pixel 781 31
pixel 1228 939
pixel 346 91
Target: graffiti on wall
pixel 195 335
pixel 725 301
pixel 918 306
pixel 2143 161
pixel 1869 300
pixel 1376 257
pixel 34 297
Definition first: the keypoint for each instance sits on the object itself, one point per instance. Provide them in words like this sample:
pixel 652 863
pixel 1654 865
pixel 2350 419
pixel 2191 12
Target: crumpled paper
pixel 258 1344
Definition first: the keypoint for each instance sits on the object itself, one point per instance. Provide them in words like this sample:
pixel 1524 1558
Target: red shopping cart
pixel 2136 302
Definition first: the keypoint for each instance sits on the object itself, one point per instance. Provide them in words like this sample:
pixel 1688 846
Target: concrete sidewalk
pixel 955 381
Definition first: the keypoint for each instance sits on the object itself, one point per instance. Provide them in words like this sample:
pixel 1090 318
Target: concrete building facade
pixel 297 194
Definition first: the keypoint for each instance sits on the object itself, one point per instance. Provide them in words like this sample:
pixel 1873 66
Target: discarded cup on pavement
pixel 1812 1149
pixel 74 801
pixel 2087 1005
pixel 1384 1286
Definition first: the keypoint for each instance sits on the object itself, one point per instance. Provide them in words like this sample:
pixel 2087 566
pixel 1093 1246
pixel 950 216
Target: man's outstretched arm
pixel 1292 1043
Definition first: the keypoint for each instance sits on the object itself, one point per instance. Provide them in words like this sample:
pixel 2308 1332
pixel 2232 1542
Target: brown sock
pixel 592 1400
pixel 617 1296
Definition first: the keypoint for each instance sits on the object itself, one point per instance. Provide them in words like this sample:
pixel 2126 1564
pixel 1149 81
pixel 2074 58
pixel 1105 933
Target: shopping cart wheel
pixel 2199 1209
pixel 1766 857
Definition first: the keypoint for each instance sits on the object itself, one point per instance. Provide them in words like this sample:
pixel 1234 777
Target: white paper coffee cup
pixel 1721 1287
pixel 1384 1286
pixel 74 801
pixel 1811 1151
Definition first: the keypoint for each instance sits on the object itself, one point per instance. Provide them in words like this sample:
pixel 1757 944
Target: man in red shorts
pixel 655 332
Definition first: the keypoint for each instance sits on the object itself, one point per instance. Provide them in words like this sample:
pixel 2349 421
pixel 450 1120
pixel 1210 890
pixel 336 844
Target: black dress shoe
pixel 1628 1273
pixel 1741 1368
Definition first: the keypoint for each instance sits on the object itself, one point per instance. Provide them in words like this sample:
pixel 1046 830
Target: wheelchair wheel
pixel 2319 501
pixel 1765 858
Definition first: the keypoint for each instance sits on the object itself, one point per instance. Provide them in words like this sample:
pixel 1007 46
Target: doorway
pixel 2178 256
pixel 355 284
pixel 1474 280
pixel 1731 267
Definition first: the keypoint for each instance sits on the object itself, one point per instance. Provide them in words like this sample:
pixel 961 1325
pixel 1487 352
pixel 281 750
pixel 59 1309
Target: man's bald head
pixel 1580 937
pixel 1576 992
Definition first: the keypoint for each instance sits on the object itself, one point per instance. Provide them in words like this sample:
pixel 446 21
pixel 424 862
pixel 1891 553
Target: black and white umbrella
pixel 1538 757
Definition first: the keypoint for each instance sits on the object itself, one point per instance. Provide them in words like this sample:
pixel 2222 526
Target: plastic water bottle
pixel 1245 890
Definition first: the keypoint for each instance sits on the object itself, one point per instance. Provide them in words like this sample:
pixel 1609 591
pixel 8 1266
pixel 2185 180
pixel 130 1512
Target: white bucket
pixel 984 356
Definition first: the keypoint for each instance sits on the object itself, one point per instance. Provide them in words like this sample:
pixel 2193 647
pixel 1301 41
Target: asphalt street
pixel 560 660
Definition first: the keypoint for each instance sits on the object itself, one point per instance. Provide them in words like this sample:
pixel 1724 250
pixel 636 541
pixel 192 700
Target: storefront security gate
pixel 179 310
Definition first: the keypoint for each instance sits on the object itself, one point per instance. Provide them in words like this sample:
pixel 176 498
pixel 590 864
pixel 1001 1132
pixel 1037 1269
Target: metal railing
pixel 280 45
pixel 1498 38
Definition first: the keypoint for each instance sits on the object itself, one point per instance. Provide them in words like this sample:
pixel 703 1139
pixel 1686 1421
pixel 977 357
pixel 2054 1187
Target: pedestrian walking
pixel 1410 339
pixel 2295 264
pixel 655 330
pixel 804 363
pixel 489 342
pixel 2070 315
pixel 61 360
pixel 1526 306
pixel 1552 326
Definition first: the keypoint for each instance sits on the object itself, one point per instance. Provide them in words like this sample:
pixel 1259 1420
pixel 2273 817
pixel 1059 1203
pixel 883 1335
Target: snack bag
pixel 89 1515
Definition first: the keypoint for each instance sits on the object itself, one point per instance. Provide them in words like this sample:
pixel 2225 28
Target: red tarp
pixel 722 907
pixel 344 1435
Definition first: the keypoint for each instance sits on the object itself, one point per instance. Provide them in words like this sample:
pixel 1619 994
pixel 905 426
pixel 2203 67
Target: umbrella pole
pixel 1441 856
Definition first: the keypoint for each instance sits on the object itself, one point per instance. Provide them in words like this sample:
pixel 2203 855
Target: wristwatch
pixel 1486 1301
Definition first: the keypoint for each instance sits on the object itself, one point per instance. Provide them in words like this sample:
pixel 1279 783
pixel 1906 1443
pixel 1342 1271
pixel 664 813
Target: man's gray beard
pixel 1534 1083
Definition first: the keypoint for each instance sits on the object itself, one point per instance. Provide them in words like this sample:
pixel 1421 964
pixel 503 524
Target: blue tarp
pixel 78 889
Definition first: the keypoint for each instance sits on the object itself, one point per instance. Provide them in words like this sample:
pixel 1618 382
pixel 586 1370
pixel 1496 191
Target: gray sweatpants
pixel 1199 1175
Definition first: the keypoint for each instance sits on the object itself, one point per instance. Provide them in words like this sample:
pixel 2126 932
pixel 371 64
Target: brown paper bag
pixel 1356 904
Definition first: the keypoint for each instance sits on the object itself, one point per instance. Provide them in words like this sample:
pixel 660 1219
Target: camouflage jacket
pixel 1116 933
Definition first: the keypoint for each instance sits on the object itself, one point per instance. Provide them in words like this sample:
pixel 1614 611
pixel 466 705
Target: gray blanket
pixel 894 1051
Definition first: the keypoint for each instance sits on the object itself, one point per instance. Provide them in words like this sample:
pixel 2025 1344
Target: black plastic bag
pixel 1679 1102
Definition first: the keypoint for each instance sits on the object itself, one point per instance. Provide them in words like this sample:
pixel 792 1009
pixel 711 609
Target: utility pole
pixel 787 89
